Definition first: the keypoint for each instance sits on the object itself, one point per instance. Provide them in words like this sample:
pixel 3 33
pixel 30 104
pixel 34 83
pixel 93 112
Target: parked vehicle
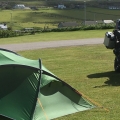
pixel 112 41
pixel 117 24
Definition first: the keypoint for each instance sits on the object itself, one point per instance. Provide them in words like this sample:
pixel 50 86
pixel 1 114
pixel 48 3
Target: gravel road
pixel 51 44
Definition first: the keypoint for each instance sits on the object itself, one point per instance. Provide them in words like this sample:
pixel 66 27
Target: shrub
pixel 10 33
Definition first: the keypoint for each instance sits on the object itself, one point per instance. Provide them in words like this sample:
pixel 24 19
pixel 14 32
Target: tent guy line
pixel 42 109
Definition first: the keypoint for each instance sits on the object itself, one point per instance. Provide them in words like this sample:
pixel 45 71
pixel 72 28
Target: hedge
pixel 10 33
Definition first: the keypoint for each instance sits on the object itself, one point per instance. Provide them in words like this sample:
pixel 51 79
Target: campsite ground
pixel 87 68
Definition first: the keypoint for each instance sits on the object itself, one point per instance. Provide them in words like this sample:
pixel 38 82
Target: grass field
pixel 89 69
pixel 54 36
pixel 49 17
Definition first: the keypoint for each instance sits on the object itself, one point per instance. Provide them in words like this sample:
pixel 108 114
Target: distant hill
pixel 49 3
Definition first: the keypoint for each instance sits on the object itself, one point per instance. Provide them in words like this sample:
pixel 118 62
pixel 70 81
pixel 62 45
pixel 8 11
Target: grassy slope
pixel 51 17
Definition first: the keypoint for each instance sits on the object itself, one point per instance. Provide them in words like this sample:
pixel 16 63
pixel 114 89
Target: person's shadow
pixel 112 80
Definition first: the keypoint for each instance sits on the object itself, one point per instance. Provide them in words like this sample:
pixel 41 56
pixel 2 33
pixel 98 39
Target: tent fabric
pixel 58 100
pixel 29 91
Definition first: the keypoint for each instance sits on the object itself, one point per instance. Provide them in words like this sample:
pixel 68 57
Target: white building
pixel 19 6
pixel 61 6
pixel 108 21
pixel 3 27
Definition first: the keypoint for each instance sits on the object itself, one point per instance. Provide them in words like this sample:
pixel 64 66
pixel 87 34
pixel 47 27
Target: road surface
pixel 51 44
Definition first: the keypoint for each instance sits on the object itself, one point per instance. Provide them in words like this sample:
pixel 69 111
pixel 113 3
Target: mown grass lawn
pixel 89 69
pixel 54 36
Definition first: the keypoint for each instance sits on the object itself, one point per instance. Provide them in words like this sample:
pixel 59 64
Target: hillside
pixel 51 3
pixel 48 16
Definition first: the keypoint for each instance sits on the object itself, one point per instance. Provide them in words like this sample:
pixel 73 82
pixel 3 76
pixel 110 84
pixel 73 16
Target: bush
pixel 10 33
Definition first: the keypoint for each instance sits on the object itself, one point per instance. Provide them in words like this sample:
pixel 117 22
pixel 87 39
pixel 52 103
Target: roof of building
pixel 3 26
pixel 108 21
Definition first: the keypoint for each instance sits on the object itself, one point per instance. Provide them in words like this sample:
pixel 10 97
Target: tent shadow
pixel 113 78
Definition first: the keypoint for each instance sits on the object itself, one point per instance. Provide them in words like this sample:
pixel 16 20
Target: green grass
pixel 89 69
pixel 54 36
pixel 52 17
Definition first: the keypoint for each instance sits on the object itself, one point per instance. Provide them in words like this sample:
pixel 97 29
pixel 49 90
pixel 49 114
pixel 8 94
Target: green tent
pixel 29 91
